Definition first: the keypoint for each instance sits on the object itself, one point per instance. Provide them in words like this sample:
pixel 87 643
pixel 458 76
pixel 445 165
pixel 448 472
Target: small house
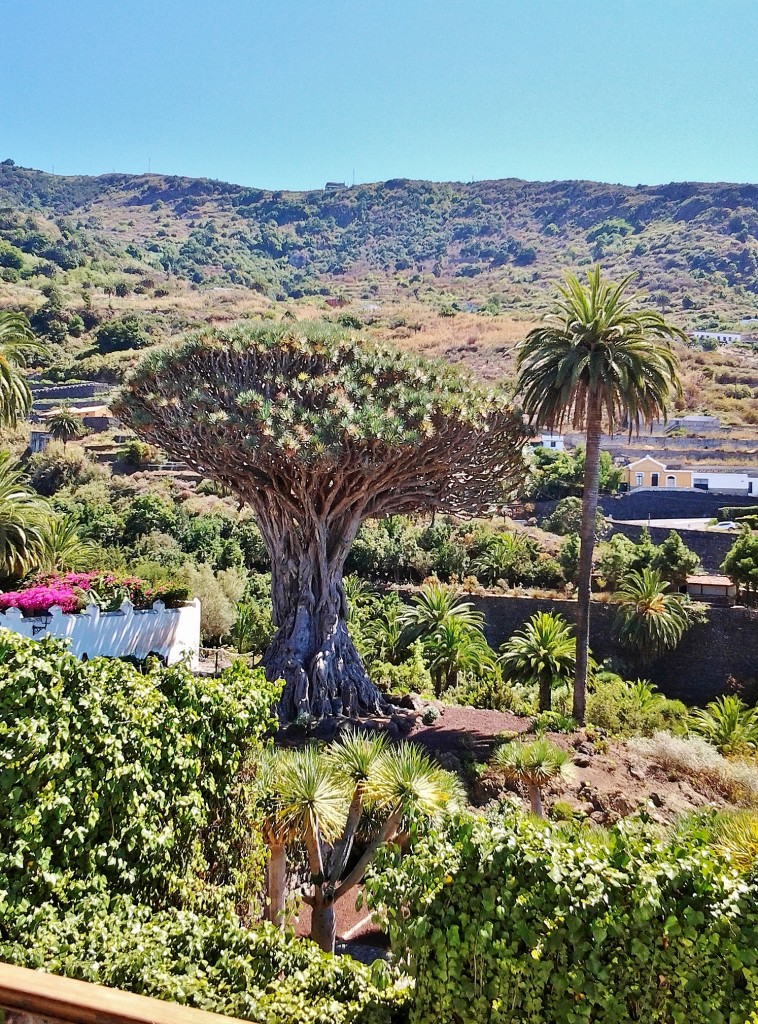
pixel 712 589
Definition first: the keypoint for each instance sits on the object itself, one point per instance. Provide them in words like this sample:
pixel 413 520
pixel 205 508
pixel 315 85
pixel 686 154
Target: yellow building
pixel 649 472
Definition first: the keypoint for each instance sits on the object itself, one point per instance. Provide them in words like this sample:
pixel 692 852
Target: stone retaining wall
pixel 696 672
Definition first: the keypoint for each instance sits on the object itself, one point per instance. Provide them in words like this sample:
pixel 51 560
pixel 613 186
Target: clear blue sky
pixel 290 93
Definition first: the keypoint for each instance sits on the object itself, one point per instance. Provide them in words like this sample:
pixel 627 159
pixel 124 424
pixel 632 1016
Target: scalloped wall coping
pixel 173 633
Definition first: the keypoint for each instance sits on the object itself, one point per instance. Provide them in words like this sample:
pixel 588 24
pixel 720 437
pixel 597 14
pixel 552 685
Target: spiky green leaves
pixel 596 347
pixel 17 344
pixel 309 791
pixel 532 764
pixel 257 405
pixel 650 619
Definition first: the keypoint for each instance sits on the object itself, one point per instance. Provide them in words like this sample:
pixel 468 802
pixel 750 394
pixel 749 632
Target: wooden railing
pixel 33 997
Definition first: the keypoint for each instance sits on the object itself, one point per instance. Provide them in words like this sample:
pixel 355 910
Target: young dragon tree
pixel 350 798
pixel 318 432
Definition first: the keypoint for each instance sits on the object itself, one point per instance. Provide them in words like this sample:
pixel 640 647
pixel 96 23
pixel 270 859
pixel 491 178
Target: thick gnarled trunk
pixel 312 650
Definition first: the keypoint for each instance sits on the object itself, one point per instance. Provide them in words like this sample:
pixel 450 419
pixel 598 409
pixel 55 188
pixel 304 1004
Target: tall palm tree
pixel 17 343
pixel 596 359
pixel 649 619
pixel 22 518
pixel 64 425
pixel 533 765
pixel 542 654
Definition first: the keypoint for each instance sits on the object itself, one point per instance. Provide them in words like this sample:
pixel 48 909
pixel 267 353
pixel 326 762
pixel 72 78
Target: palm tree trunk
pixel 276 883
pixel 535 799
pixel 546 693
pixel 587 546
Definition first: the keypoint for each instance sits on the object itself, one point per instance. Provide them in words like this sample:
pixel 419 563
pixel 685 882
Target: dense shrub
pixel 121 334
pixel 212 963
pixel 57 467
pixel 523 923
pixel 115 777
pixel 632 709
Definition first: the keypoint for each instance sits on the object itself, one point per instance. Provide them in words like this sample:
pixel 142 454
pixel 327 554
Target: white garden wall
pixel 172 633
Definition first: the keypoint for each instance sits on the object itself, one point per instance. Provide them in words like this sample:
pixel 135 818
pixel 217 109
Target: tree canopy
pixel 317 431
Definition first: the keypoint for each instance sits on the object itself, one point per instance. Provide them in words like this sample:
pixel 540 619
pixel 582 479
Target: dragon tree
pixel 317 431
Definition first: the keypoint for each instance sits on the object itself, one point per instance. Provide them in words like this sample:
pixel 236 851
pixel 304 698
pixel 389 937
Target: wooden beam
pixel 80 1002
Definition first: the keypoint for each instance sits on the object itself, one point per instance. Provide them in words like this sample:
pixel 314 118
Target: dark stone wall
pixel 660 503
pixel 712 547
pixel 657 503
pixel 696 672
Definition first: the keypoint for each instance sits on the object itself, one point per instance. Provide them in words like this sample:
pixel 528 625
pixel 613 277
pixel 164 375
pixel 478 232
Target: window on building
pixel 653 479
pixel 671 481
pixel 639 478
pixel 701 482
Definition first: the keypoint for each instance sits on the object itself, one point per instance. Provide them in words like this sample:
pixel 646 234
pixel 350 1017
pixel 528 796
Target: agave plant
pixel 542 654
pixel 322 798
pixel 649 619
pixel 533 765
pixel 727 724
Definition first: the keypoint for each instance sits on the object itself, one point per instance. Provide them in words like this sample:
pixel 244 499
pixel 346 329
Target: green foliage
pixel 596 345
pixel 64 425
pixel 150 513
pixel 212 963
pixel 566 518
pixel 557 474
pixel 136 453
pixel 253 628
pixel 620 556
pixel 410 676
pixel 542 654
pixel 568 557
pixel 729 725
pixel 17 346
pixel 649 619
pixel 300 391
pixel 632 708
pixel 119 778
pixel 22 519
pixel 534 764
pixel 517 922
pixel 553 721
pixel 741 564
pixel 121 334
pixel 56 468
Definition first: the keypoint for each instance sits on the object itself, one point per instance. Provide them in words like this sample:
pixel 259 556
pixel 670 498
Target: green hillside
pixel 107 266
pixel 695 246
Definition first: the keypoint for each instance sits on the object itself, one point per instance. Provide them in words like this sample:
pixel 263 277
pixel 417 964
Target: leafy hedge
pixel 125 848
pixel 523 923
pixel 212 963
pixel 110 777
